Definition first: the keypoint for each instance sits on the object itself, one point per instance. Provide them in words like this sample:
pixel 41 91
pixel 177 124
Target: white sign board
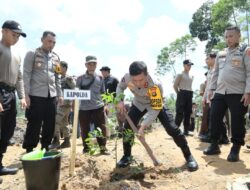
pixel 76 94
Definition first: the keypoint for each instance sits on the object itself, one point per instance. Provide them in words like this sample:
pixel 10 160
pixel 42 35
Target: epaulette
pixel 243 47
pixel 56 55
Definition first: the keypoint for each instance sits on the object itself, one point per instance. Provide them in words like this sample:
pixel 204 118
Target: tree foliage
pixel 211 19
pixel 177 49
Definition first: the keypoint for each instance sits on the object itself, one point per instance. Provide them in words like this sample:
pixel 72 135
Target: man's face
pixel 10 37
pixel 232 38
pixel 187 67
pixel 139 80
pixel 48 42
pixel 105 73
pixel 91 67
pixel 210 61
pixel 63 70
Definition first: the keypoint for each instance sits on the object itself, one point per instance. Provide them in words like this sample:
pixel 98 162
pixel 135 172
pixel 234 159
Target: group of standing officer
pixel 227 88
pixel 230 88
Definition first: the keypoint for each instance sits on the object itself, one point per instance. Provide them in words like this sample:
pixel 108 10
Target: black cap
pixel 212 55
pixel 105 68
pixel 187 62
pixel 91 59
pixel 14 26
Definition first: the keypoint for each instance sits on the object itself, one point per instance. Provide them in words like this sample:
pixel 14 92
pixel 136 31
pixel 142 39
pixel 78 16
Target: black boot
pixel 191 162
pixel 224 140
pixel 1 180
pixel 124 162
pixel 234 153
pixel 6 171
pixel 55 143
pixel 66 143
pixel 213 149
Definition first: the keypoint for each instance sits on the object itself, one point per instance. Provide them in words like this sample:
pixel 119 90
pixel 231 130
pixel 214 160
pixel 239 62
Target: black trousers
pixel 41 114
pixel 7 119
pixel 219 105
pixel 183 108
pixel 98 118
pixel 166 119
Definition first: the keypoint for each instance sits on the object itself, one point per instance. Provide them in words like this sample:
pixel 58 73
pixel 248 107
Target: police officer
pixel 206 102
pixel 231 84
pixel 183 89
pixel 42 86
pixel 92 110
pixel 63 111
pixel 11 80
pixel 148 99
pixel 203 133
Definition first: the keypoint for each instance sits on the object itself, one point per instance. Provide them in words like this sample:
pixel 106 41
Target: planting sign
pixel 76 94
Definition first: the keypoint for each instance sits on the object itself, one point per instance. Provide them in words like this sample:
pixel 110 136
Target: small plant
pixel 93 147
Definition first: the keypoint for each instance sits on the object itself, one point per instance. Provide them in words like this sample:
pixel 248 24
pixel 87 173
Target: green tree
pixel 201 26
pixel 211 19
pixel 177 49
pixel 170 102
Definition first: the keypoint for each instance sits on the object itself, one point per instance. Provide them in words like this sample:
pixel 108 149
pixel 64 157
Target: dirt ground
pixel 99 172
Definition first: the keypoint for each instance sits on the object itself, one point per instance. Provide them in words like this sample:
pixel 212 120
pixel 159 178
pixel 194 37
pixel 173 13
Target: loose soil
pixel 98 172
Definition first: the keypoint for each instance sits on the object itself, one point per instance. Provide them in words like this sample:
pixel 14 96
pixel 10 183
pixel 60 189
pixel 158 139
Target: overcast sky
pixel 118 32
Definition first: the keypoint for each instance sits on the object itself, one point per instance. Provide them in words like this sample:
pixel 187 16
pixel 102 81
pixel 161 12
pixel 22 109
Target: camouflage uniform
pixel 63 111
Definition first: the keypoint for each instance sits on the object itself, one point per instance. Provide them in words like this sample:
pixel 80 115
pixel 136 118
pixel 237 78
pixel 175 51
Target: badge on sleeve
pixel 155 96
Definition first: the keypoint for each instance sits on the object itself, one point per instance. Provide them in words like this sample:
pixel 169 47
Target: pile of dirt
pixel 99 172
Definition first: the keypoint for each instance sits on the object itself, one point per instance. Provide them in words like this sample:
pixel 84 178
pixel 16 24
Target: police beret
pixel 13 26
pixel 105 68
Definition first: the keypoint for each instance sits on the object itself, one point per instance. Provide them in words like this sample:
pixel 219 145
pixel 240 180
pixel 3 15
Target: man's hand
pixel 27 100
pixel 106 109
pixel 210 94
pixel 121 108
pixel 141 131
pixel 1 108
pixel 23 104
pixel 245 99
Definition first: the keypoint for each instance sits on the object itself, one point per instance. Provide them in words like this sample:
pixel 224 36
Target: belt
pixel 7 87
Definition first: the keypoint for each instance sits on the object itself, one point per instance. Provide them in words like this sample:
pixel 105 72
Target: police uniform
pixel 144 103
pixel 204 130
pixel 63 111
pixel 230 80
pixel 92 110
pixel 183 88
pixel 42 85
pixel 11 80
